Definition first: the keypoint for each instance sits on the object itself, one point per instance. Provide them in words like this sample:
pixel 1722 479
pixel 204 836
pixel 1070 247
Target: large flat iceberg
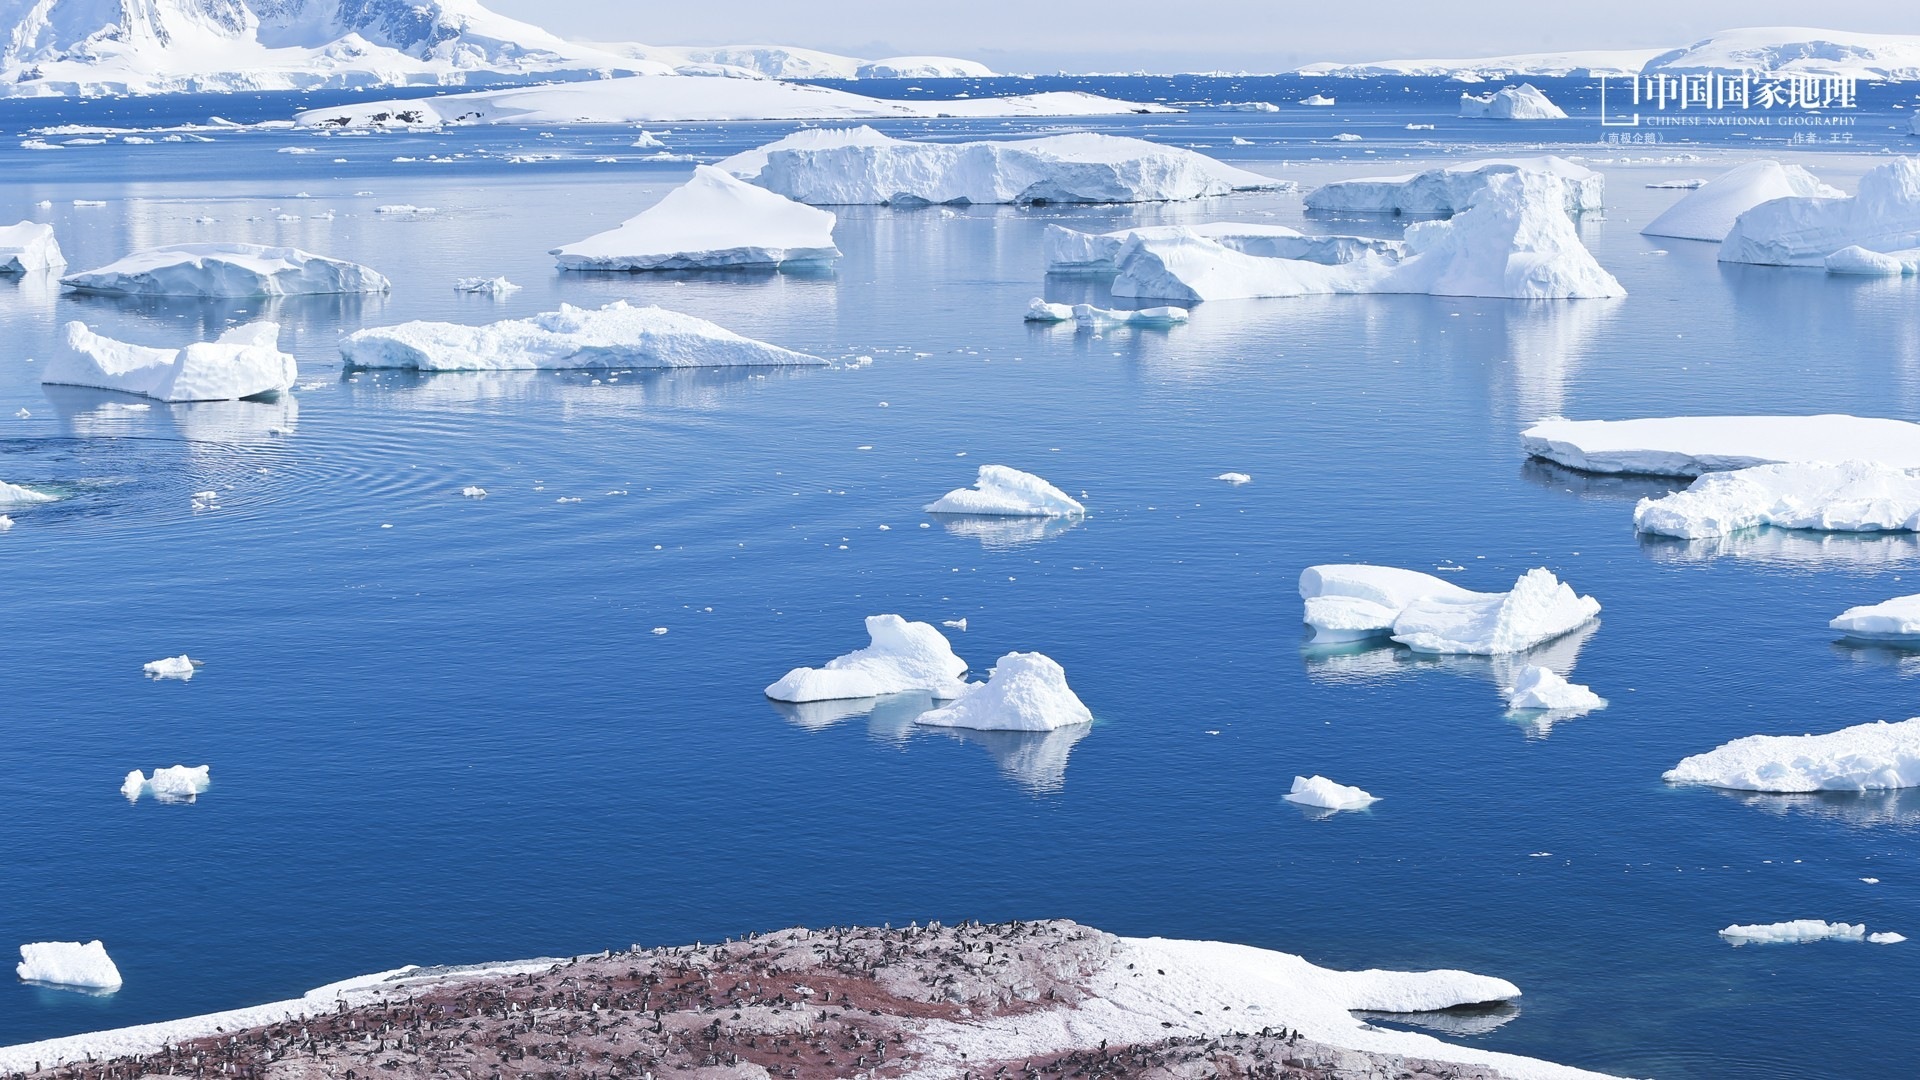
pixel 1002 491
pixel 1079 168
pixel 1802 230
pixel 1853 496
pixel 1351 602
pixel 1895 619
pixel 69 963
pixel 27 247
pixel 1865 757
pixel 1523 102
pixel 243 362
pixel 901 656
pixel 1709 211
pixel 714 220
pixel 1025 692
pixel 572 338
pixel 1692 445
pixel 226 270
pixel 1450 189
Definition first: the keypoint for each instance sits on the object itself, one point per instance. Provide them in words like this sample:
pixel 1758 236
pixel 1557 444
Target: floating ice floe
pixel 495 286
pixel 1523 102
pixel 12 495
pixel 1895 619
pixel 1542 688
pixel 1860 262
pixel 713 220
pixel 244 362
pixel 1802 230
pixel 69 963
pixel 1069 251
pixel 572 338
pixel 1693 445
pixel 27 247
pixel 1451 189
pixel 180 783
pixel 1077 168
pixel 1352 602
pixel 1709 211
pixel 902 656
pixel 1853 496
pixel 1799 931
pixel 1000 491
pixel 1887 937
pixel 1235 478
pixel 1317 100
pixel 1088 317
pixel 1025 692
pixel 474 492
pixel 1324 793
pixel 1039 311
pixel 179 667
pixel 5 523
pixel 1865 757
pixel 226 270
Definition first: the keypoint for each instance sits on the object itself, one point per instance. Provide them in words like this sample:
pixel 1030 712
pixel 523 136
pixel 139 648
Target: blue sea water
pixel 444 729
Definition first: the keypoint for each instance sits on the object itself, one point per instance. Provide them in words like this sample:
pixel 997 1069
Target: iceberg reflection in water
pixel 1791 548
pixel 1866 809
pixel 1001 533
pixel 1036 760
pixel 1462 1022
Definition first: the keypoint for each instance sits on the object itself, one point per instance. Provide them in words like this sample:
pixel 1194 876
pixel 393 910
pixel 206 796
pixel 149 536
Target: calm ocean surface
pixel 444 730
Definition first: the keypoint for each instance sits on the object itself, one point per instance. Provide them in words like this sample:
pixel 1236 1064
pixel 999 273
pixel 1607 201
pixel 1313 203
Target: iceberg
pixel 1523 102
pixel 174 785
pixel 1355 601
pixel 1352 602
pixel 1853 496
pixel 12 495
pixel 1024 692
pixel 1317 100
pixel 1079 168
pixel 1693 445
pixel 1797 932
pixel 1235 478
pixel 1324 793
pixel 1895 619
pixel 902 656
pixel 569 339
pixel 1000 491
pixel 714 220
pixel 1860 261
pixel 1802 230
pixel 27 247
pixel 1886 938
pixel 1069 251
pixel 179 667
pixel 226 270
pixel 1039 311
pixel 1709 211
pixel 1542 688
pixel 244 362
pixel 495 287
pixel 69 963
pixel 1865 757
pixel 1088 317
pixel 1452 188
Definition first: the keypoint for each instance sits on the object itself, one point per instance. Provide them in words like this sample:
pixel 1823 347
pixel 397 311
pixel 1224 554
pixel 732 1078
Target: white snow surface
pixel 1322 792
pixel 1088 317
pixel 713 220
pixel 495 287
pixel 1886 938
pixel 1025 692
pixel 1709 211
pixel 179 783
pixel 1799 931
pixel 244 362
pixel 1001 491
pixel 572 338
pixel 1895 618
pixel 1543 688
pixel 901 656
pixel 14 495
pixel 1692 445
pixel 1852 496
pixel 1450 189
pixel 27 247
pixel 69 963
pixel 1070 251
pixel 1039 311
pixel 1866 757
pixel 1085 167
pixel 1802 230
pixel 179 667
pixel 1354 601
pixel 1862 262
pixel 226 270
pixel 1523 102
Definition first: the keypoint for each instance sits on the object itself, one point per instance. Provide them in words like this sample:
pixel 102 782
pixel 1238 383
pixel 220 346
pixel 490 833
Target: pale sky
pixel 1256 35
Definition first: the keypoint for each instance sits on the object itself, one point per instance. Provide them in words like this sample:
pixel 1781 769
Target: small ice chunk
pixel 1346 136
pixel 1024 692
pixel 647 140
pixel 901 656
pixel 179 783
pixel 1895 618
pixel 1322 792
pixel 1886 937
pixel 1795 932
pixel 1235 478
pixel 572 338
pixel 1316 100
pixel 494 286
pixel 69 963
pixel 5 523
pixel 1543 688
pixel 173 667
pixel 472 492
pixel 1039 311
pixel 955 624
pixel 658 630
pixel 14 495
pixel 27 247
pixel 1000 491
pixel 1866 757
pixel 1854 496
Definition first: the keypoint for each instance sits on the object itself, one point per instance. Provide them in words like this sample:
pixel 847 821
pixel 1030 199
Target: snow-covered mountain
pixel 98 47
pixel 1771 49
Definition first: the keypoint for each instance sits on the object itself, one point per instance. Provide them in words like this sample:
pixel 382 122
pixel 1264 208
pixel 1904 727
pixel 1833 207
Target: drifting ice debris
pixel 177 784
pixel 1693 445
pixel 1543 689
pixel 173 667
pixel 244 362
pixel 1039 311
pixel 1523 102
pixel 1866 757
pixel 474 492
pixel 1451 189
pixel 956 624
pixel 712 221
pixel 569 339
pixel 1235 478
pixel 1324 793
pixel 1088 317
pixel 1317 100
pixel 1351 602
pixel 902 656
pixel 1077 168
pixel 1069 251
pixel 1854 496
pixel 406 208
pixel 1024 692
pixel 1000 491
pixel 1861 262
pixel 69 963
pixel 1886 938
pixel 495 287
pixel 1796 932
pixel 647 140
pixel 1803 230
pixel 1708 212
pixel 1893 619
pixel 5 523
pixel 27 247
pixel 226 270
pixel 15 495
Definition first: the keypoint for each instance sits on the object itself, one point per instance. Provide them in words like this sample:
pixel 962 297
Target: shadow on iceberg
pixel 1789 547
pixel 1601 487
pixel 1036 760
pixel 1464 1021
pixel 1899 806
pixel 88 413
pixel 1901 654
pixel 210 317
pixel 999 533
